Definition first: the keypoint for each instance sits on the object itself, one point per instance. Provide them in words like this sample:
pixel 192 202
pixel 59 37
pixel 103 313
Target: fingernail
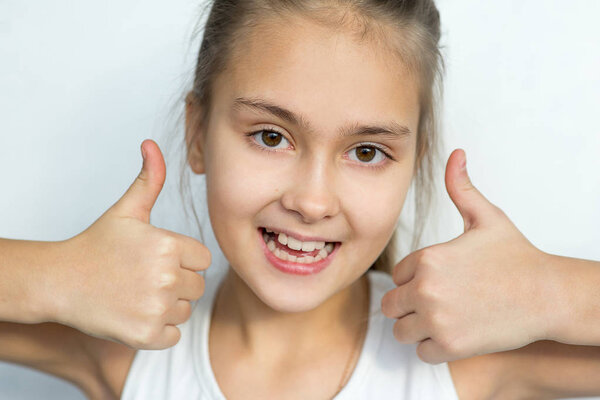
pixel 463 163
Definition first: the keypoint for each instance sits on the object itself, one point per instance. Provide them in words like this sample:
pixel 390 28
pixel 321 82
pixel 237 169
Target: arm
pixel 541 370
pixel 573 287
pixel 548 369
pixel 24 304
pixel 97 366
pixel 23 299
pixel 568 364
pixel 55 349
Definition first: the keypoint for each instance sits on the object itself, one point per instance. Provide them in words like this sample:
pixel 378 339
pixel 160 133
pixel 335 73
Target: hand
pixel 479 293
pixel 126 280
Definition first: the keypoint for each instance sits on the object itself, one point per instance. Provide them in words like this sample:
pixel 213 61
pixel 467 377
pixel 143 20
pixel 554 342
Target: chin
pixel 285 303
pixel 288 296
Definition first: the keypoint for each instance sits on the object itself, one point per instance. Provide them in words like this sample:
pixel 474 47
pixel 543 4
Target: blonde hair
pixel 410 30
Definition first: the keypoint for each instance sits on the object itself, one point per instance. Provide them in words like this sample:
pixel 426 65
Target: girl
pixel 309 121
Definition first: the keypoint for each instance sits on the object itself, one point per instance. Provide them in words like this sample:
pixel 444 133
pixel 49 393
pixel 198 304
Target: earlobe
pixel 193 134
pixel 195 158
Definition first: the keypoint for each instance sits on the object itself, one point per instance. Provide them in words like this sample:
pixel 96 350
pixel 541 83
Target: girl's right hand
pixel 126 280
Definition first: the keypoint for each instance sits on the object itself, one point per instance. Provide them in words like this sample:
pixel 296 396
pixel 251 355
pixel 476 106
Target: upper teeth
pixel 296 244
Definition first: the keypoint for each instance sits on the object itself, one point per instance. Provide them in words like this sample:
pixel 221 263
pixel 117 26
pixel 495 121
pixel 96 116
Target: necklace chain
pixel 359 339
pixel 357 346
pixel 350 362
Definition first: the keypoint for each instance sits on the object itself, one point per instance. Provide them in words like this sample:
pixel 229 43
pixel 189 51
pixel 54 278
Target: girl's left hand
pixel 482 292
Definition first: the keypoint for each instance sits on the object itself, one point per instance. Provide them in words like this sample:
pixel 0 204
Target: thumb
pixel 139 199
pixel 471 204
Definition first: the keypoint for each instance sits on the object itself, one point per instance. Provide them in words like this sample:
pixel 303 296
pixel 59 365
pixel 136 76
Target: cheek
pixel 377 202
pixel 374 209
pixel 237 185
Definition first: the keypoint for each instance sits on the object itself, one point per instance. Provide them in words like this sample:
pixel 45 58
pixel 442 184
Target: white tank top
pixel 386 369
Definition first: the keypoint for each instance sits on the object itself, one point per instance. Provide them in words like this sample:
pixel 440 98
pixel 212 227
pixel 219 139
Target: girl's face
pixel 311 178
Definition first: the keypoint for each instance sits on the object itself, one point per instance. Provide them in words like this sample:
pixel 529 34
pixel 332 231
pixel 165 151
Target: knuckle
pixel 422 288
pixel 435 321
pixel 144 336
pixel 166 280
pixel 427 258
pixel 468 186
pixel 167 245
pixel 157 309
pixel 451 345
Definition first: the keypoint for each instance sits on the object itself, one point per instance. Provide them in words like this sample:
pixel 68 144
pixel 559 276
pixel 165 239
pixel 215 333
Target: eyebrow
pixel 392 129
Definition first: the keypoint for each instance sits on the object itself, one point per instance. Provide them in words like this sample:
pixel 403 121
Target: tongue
pixel 297 253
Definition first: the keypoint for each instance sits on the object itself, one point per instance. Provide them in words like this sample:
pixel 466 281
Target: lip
pixel 298 236
pixel 295 268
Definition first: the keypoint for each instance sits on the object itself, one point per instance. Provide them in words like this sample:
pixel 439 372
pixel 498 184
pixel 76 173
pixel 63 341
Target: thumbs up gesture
pixel 479 293
pixel 126 280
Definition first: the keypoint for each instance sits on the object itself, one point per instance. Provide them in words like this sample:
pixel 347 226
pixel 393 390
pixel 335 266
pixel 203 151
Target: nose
pixel 311 192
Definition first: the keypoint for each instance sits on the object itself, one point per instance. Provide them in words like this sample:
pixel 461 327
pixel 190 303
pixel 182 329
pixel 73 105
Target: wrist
pixel 564 284
pixel 552 298
pixel 45 297
pixel 540 293
pixel 576 315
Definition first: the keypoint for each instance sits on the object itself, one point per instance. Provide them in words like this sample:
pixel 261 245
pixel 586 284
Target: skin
pixel 275 335
pixel 313 184
pixel 491 270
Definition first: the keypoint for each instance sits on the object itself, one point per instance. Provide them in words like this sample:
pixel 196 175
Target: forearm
pixel 52 348
pixel 550 370
pixel 574 294
pixel 26 287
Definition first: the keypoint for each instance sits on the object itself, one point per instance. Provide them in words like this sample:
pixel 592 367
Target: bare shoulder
pixel 483 377
pixel 113 361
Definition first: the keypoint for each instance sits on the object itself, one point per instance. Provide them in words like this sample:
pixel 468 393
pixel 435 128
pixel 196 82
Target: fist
pixel 479 293
pixel 126 280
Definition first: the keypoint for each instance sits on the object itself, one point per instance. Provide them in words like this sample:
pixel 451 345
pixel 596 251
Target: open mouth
pixel 288 248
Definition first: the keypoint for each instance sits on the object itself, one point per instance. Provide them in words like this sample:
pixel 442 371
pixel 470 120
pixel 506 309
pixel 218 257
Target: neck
pixel 257 326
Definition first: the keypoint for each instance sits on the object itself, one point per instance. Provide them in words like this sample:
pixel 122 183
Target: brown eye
pixel 271 138
pixel 365 154
pixel 369 155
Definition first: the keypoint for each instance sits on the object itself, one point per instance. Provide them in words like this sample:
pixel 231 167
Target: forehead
pixel 327 76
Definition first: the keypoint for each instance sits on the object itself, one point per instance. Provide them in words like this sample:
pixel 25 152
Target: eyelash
pixel 376 166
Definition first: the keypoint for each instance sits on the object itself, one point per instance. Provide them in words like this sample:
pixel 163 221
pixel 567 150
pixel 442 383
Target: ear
pixel 193 134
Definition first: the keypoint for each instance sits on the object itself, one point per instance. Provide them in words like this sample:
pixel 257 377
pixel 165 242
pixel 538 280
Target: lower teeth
pixel 281 254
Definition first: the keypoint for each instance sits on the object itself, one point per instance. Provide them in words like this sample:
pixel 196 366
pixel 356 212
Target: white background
pixel 82 84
